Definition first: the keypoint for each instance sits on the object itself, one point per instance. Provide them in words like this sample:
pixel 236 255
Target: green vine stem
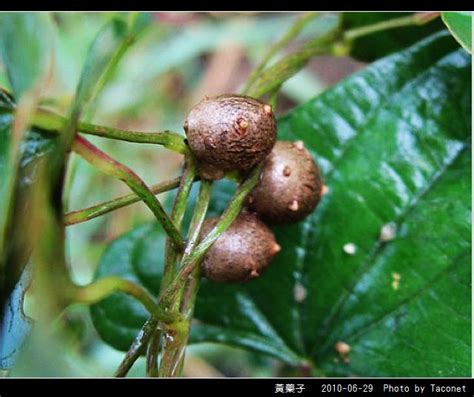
pixel 177 214
pixel 171 254
pixel 187 309
pixel 174 346
pixel 111 167
pixel 68 181
pixel 152 354
pixel 194 259
pixel 109 70
pixel 290 34
pixel 137 348
pixel 86 214
pixel 174 340
pixel 199 215
pixel 55 123
pixel 103 287
pixel 268 80
pixel 229 215
pixel 170 140
pixel 419 18
pixel 272 100
pixel 275 75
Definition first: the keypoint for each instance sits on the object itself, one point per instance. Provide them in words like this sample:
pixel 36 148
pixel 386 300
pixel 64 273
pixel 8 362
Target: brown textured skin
pixel 247 245
pixel 290 174
pixel 216 136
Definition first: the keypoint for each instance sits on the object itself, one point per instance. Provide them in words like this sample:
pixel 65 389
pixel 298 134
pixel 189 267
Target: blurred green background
pixel 181 58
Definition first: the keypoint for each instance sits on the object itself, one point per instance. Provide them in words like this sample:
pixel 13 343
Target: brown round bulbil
pixel 230 132
pixel 242 252
pixel 290 185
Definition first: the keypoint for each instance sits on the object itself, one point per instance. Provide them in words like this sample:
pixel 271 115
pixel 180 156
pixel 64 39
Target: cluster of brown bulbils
pixel 235 133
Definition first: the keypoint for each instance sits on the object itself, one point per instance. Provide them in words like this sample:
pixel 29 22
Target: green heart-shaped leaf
pixel 460 26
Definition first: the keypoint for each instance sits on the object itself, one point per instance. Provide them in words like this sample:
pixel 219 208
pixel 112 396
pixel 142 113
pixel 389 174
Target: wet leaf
pixel 393 144
pixel 460 26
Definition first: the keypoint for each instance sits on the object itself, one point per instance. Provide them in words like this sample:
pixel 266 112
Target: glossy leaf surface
pixel 393 144
pixel 460 25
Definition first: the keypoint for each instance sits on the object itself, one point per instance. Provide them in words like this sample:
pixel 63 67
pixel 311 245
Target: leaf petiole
pixel 55 123
pixel 415 19
pixel 83 215
pixel 103 287
pixel 173 353
pixel 112 167
pixel 193 260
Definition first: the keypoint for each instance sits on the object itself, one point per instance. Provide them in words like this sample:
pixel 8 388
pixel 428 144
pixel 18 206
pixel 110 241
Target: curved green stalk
pixel 83 215
pixel 55 123
pixel 177 214
pixel 149 329
pixel 274 76
pixel 194 259
pixel 414 19
pixel 170 140
pixel 138 347
pixel 171 255
pixel 104 287
pixel 174 348
pixel 290 34
pixel 109 166
pixel 152 354
pixel 267 80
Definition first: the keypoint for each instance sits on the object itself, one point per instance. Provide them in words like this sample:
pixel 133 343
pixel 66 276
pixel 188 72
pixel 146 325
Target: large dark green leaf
pixel 460 26
pixel 385 42
pixel 393 143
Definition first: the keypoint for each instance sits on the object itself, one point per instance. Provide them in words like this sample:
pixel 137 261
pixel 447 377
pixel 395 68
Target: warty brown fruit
pixel 242 252
pixel 290 185
pixel 230 132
